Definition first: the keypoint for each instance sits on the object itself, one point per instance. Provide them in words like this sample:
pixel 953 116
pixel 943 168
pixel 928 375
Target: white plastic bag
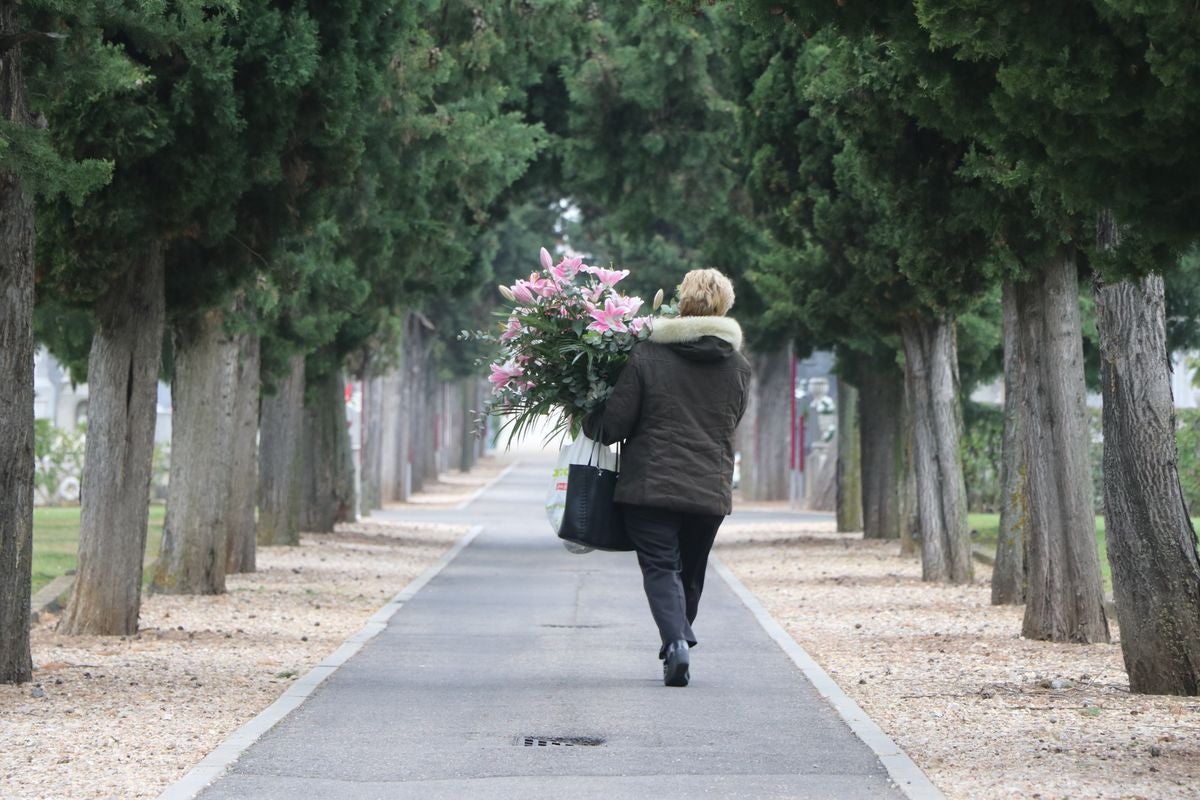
pixel 581 451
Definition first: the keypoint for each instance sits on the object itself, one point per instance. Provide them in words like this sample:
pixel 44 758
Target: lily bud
pixel 507 294
pixel 658 300
pixel 547 261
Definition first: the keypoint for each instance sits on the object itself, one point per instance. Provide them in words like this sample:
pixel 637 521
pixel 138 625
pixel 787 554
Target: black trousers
pixel 672 550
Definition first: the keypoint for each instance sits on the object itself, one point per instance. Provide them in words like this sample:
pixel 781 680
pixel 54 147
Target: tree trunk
pixel 421 443
pixel 16 378
pixel 414 390
pixel 204 392
pixel 391 432
pixel 122 410
pixel 406 399
pixel 910 517
pixel 1064 600
pixel 328 482
pixel 372 422
pixel 849 460
pixel 1151 542
pixel 1008 574
pixel 880 410
pixel 468 392
pixel 243 462
pixel 765 467
pixel 434 421
pixel 931 369
pixel 280 460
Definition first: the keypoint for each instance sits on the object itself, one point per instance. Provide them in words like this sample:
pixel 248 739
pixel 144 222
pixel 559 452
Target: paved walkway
pixel 517 641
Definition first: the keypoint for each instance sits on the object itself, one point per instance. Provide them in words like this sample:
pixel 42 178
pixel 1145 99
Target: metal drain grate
pixel 560 741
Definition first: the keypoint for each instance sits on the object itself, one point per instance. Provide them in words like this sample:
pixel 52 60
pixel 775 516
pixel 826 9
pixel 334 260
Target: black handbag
pixel 591 518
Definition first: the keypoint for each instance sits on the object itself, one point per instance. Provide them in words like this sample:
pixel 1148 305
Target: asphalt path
pixel 518 644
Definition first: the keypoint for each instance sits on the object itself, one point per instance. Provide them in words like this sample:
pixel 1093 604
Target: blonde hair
pixel 705 293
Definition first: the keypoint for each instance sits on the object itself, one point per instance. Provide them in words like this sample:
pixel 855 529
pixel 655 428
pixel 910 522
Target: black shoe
pixel 676 665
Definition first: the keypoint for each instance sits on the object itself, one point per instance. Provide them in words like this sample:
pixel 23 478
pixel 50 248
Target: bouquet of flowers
pixel 563 342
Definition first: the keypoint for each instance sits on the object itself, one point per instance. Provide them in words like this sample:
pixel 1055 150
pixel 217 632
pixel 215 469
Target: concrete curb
pixel 907 776
pixel 51 597
pixel 219 760
pixel 471 498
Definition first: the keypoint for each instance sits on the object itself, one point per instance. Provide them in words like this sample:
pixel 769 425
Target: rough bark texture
pixel 372 445
pixel 765 467
pixel 391 438
pixel 1064 600
pixel 406 392
pixel 327 495
pixel 122 410
pixel 16 386
pixel 931 369
pixel 423 406
pixel 203 393
pixel 910 516
pixel 468 392
pixel 431 424
pixel 880 411
pixel 1008 575
pixel 280 459
pixel 849 460
pixel 243 461
pixel 1151 542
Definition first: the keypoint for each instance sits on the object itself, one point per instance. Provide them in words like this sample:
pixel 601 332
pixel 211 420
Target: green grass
pixel 56 541
pixel 988 527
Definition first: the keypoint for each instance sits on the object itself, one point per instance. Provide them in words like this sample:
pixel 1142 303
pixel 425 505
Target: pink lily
pixel 609 318
pixel 536 285
pixel 520 290
pixel 637 323
pixel 512 330
pixel 564 271
pixel 609 277
pixel 503 373
pixel 630 304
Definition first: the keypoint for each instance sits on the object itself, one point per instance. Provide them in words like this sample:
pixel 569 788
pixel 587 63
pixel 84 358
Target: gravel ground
pixel 124 717
pixel 984 712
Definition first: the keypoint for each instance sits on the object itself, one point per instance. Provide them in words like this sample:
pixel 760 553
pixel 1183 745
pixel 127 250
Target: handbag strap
pixel 598 443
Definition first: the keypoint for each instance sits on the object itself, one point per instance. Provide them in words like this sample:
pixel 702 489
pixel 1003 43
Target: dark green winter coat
pixel 676 405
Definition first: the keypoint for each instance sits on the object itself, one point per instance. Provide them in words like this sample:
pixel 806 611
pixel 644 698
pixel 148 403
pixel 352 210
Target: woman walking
pixel 676 406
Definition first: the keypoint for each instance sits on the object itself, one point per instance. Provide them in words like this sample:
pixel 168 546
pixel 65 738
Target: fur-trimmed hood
pixel 683 330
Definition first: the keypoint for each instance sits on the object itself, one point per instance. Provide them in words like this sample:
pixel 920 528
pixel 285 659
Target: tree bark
pixel 372 448
pixel 765 467
pixel 849 460
pixel 431 425
pixel 328 482
pixel 1151 542
pixel 16 378
pixel 391 431
pixel 204 390
pixel 122 410
pixel 880 408
pixel 243 462
pixel 1064 600
pixel 910 517
pixel 421 444
pixel 406 398
pixel 281 460
pixel 931 370
pixel 1008 574
pixel 468 393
